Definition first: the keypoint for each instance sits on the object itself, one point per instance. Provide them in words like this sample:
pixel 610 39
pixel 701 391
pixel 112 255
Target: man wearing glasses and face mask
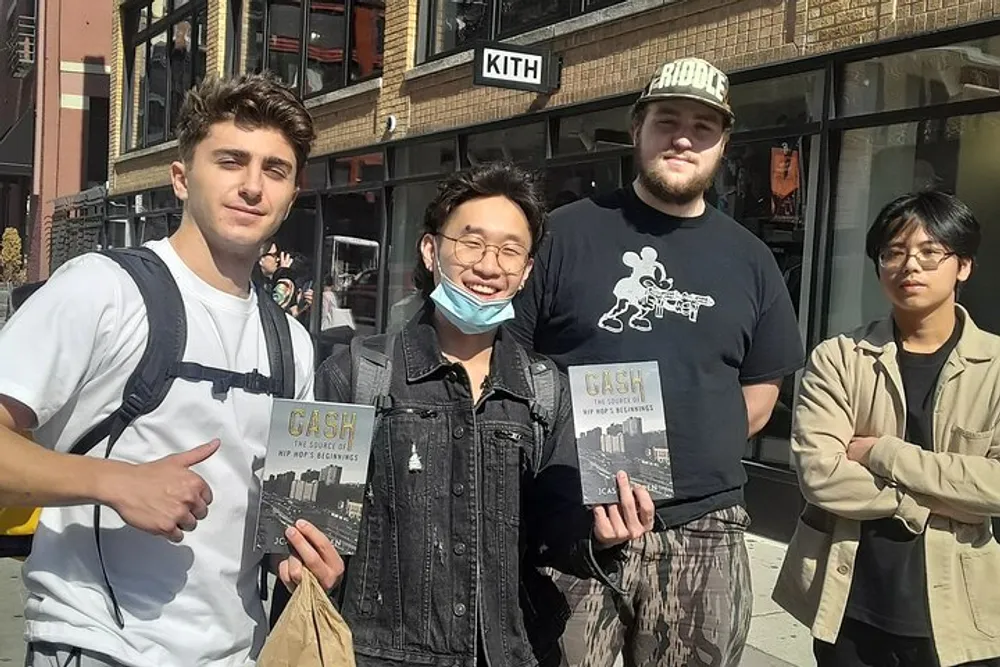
pixel 463 502
pixel 896 437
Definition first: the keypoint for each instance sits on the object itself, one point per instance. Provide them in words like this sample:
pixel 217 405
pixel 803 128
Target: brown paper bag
pixel 310 632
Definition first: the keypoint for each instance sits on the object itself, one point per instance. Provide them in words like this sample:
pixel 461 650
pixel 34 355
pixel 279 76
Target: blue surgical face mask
pixel 469 313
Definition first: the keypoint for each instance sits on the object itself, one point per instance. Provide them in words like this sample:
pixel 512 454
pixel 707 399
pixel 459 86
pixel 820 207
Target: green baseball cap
pixel 690 79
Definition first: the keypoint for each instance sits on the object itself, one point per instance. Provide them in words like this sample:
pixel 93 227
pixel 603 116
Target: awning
pixel 17 147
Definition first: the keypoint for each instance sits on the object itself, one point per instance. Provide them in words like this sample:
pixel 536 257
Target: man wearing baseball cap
pixel 651 272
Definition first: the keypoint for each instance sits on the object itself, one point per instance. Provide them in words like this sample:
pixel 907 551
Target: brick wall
pixel 603 60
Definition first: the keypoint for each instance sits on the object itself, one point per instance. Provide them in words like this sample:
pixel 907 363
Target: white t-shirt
pixel 67 354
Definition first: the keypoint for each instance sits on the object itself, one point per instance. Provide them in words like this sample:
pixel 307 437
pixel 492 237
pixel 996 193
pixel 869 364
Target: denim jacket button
pixel 460 548
pixel 458 489
pixel 459 609
pixel 458 432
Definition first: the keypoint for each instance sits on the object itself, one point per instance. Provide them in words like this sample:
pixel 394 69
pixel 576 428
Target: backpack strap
pixel 149 383
pixel 165 344
pixel 542 377
pixel 371 369
pixel 280 352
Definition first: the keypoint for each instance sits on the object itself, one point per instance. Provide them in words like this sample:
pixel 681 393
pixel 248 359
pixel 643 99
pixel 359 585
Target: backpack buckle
pixel 255 383
pixel 132 406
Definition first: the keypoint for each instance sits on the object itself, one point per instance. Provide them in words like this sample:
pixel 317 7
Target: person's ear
pixel 964 269
pixel 179 180
pixel 428 252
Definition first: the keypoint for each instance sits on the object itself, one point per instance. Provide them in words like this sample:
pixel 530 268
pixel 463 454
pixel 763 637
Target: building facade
pixel 841 105
pixel 54 85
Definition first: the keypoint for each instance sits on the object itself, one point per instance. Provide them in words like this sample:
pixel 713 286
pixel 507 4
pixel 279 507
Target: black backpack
pixel 162 362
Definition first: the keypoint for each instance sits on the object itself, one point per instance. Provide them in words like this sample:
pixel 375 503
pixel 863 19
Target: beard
pixel 673 193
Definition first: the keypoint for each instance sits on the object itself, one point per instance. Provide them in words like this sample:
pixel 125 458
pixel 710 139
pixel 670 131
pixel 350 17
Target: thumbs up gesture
pixel 163 497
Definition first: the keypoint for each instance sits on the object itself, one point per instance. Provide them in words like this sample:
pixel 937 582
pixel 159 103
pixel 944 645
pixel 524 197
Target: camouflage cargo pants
pixel 689 600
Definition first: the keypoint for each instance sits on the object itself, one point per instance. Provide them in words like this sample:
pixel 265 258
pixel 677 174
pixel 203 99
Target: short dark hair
pixel 491 179
pixel 944 217
pixel 250 101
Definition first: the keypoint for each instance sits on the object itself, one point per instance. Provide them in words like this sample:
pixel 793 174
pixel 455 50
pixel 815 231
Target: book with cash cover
pixel 316 469
pixel 620 425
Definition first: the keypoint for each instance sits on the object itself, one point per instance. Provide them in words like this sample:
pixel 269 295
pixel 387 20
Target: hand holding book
pixel 311 550
pixel 629 519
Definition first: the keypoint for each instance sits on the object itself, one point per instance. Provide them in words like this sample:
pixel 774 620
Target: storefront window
pixel 327 41
pixel 788 100
pixel 451 25
pixel 352 227
pixel 520 15
pixel 252 58
pixel 283 40
pixel 522 143
pixel 367 39
pixel 345 42
pixel 408 205
pixel 763 186
pixel 358 169
pixel 165 48
pixel 594 132
pixel 952 73
pixel 878 164
pixel 564 185
pixel 297 237
pixel 315 176
pixel 431 157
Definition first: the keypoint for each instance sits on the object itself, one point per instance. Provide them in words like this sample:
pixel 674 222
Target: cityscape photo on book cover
pixel 620 425
pixel 316 469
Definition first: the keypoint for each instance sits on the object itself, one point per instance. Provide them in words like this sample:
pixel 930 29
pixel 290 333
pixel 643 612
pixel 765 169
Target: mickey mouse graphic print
pixel 616 281
pixel 649 291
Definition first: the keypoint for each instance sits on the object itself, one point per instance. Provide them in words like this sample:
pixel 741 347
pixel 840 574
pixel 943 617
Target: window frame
pixel 305 8
pixel 495 31
pixel 193 11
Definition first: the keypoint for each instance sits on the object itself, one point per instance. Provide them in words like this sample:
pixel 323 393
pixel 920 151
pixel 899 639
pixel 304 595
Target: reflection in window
pixel 520 15
pixel 952 73
pixel 253 53
pixel 763 186
pixel 786 100
pixel 452 24
pixel 358 169
pixel 409 203
pixel 878 164
pixel 352 225
pixel 594 132
pixel 523 143
pixel 156 98
pixel 564 185
pixel 283 41
pixel 180 68
pixel 315 174
pixel 367 39
pixel 157 10
pixel 432 157
pixel 201 53
pixel 325 56
pixel 154 227
pixel 165 56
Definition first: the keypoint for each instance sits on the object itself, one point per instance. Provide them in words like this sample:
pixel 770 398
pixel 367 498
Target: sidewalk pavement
pixel 776 640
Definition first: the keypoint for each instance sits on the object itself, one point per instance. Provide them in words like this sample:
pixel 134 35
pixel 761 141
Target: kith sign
pixel 519 68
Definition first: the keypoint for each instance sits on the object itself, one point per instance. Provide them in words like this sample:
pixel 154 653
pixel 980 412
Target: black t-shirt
pixel 596 296
pixel 889 588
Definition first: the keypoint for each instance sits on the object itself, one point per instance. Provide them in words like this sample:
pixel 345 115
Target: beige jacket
pixel 852 387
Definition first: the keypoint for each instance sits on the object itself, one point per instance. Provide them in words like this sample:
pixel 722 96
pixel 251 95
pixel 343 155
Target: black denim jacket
pixel 456 521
